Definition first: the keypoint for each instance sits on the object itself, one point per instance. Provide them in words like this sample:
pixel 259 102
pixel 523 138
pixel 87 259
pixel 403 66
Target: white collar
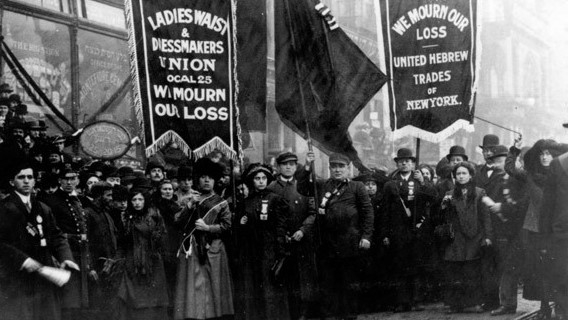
pixel 72 194
pixel 25 199
pixel 286 180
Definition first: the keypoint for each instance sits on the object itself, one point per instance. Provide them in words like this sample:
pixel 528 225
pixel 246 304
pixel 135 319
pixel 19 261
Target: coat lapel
pixel 21 206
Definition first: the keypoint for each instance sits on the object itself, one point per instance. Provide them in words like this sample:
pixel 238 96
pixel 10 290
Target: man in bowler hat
pixel 406 198
pixel 491 178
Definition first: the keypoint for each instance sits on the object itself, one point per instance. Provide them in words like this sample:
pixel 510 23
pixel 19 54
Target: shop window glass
pixel 102 13
pixel 57 5
pixel 43 48
pixel 103 69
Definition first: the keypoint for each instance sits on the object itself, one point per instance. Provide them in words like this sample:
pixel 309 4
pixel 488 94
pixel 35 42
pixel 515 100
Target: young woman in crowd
pixel 142 293
pixel 262 236
pixel 467 229
pixel 164 200
pixel 204 284
pixel 427 172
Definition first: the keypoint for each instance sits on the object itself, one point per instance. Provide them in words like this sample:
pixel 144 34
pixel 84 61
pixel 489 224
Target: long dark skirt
pixel 256 296
pixel 124 311
pixel 463 284
pixel 535 268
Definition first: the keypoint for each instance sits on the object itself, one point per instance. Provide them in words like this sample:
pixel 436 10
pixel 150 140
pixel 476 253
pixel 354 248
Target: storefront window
pixel 57 5
pixel 103 69
pixel 43 48
pixel 101 13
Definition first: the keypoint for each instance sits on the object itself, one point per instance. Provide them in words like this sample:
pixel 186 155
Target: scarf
pixel 466 208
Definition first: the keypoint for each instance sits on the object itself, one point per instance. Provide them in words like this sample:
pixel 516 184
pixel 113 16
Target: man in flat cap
pixel 300 227
pixel 406 197
pixel 345 217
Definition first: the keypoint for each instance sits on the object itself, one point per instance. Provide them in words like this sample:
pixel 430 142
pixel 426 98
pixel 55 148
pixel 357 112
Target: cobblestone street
pixel 435 312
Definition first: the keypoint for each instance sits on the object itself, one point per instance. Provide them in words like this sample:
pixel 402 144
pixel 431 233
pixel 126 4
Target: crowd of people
pixel 279 243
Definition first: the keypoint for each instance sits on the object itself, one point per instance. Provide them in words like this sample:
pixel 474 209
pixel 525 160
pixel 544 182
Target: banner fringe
pixel 164 140
pixel 134 70
pixel 215 144
pixel 237 111
pixel 478 50
pixel 433 137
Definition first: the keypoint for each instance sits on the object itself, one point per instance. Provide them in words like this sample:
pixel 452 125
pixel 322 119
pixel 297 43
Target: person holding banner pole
pixel 303 284
pixel 346 218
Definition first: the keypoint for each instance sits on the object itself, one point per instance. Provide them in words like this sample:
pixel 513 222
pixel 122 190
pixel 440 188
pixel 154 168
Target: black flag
pixel 318 62
pixel 251 63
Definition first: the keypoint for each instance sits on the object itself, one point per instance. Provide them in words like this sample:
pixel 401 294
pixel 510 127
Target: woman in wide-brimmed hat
pixel 532 174
pixel 262 232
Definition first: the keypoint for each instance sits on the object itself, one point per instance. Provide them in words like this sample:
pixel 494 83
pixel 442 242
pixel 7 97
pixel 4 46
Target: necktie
pixel 28 206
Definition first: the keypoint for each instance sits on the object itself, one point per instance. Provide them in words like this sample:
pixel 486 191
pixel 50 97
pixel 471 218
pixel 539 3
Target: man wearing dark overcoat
pixel 29 238
pixel 71 218
pixel 102 245
pixel 346 218
pixel 406 198
pixel 300 229
pixel 491 178
pixel 554 222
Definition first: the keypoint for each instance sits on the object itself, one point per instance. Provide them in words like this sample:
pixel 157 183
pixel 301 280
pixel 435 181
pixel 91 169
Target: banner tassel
pixel 215 144
pixel 164 140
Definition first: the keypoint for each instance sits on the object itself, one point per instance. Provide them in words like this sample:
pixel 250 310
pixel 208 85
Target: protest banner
pixel 431 54
pixel 183 64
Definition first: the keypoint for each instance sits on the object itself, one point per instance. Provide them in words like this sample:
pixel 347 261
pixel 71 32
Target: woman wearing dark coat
pixel 164 200
pixel 142 293
pixel 204 287
pixel 464 210
pixel 262 236
pixel 536 163
pixel 375 265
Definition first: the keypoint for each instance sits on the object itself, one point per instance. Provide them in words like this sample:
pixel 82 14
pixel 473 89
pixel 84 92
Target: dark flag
pixel 251 65
pixel 183 73
pixel 432 57
pixel 318 62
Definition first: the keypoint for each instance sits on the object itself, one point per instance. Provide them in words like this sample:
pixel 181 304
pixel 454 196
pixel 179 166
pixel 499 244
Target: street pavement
pixel 436 312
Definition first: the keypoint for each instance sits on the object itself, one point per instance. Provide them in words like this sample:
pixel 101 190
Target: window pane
pixel 103 68
pixel 103 13
pixel 57 5
pixel 43 48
